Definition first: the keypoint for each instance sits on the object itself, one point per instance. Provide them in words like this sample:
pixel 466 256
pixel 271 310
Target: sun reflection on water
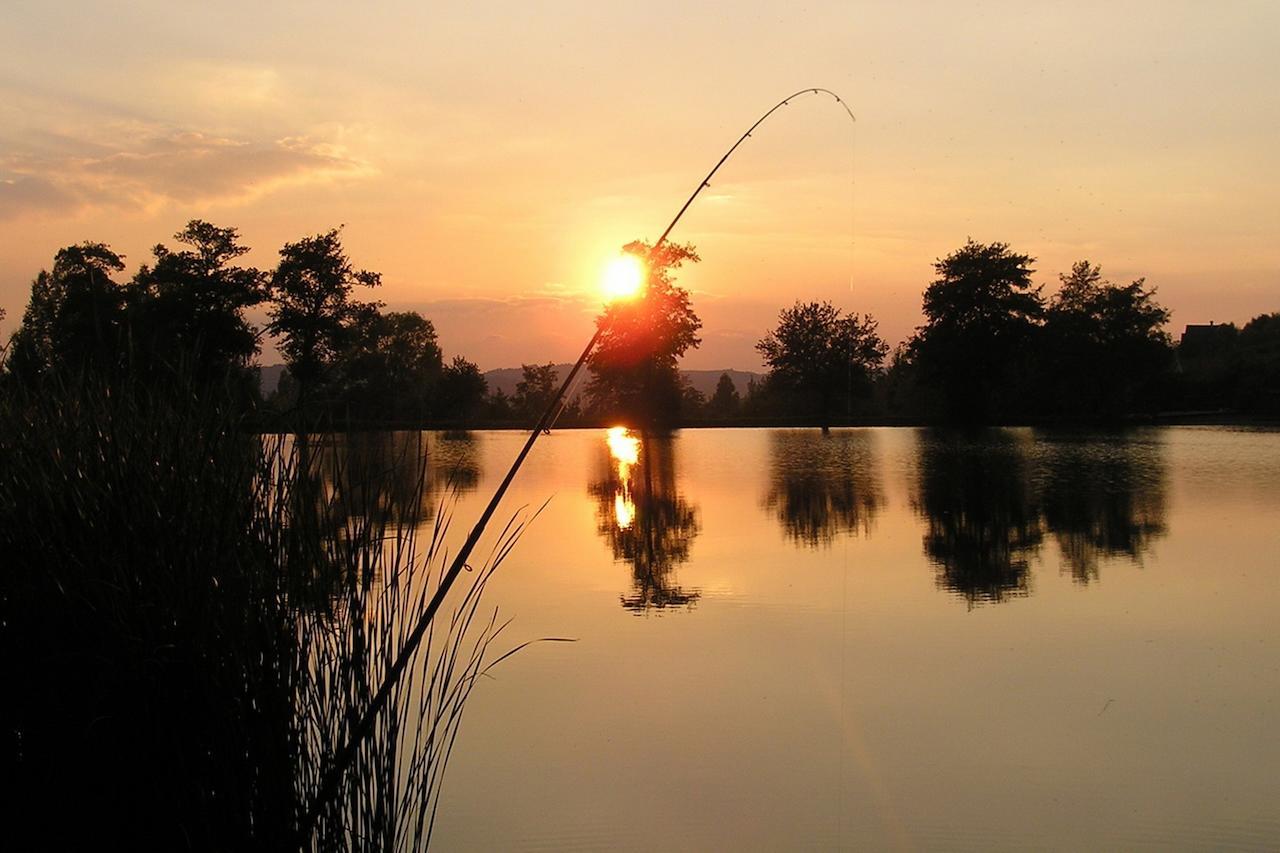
pixel 625 450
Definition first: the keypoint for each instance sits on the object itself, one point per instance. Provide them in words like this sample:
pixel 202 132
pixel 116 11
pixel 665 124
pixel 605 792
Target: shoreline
pixel 1162 419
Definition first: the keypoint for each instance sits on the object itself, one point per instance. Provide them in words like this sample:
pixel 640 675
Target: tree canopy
pixel 75 315
pixel 981 313
pixel 992 348
pixel 392 366
pixel 726 401
pixel 823 358
pixel 462 389
pixel 190 303
pixel 1104 350
pixel 634 366
pixel 312 310
pixel 534 391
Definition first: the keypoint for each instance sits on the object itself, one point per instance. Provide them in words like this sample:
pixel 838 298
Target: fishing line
pixel 706 182
pixel 844 586
pixel 844 690
pixel 331 776
pixel 568 396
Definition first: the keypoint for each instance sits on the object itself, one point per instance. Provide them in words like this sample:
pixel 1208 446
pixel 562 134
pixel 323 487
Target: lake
pixel 878 639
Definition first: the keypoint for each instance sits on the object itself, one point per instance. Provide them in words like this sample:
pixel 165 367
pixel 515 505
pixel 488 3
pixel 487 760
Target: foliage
pixel 822 357
pixel 726 401
pixel 1259 382
pixel 535 391
pixel 1104 350
pixel 498 408
pixel 392 366
pixel 991 349
pixel 193 300
pixel 191 618
pixel 312 309
pixel 1227 367
pixel 634 366
pixel 75 316
pixel 693 403
pixel 981 313
pixel 462 389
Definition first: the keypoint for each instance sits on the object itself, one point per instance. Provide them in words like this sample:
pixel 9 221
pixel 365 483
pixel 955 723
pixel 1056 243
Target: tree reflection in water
pixel 642 515
pixel 362 474
pixel 990 497
pixel 984 524
pixel 823 485
pixel 1103 498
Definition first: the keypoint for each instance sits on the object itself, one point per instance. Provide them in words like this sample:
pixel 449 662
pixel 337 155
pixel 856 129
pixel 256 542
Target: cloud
pixel 152 168
pixel 32 193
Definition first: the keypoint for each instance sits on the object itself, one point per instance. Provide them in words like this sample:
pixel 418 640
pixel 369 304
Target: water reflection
pixel 1082 695
pixel 1103 498
pixel 989 499
pixel 643 516
pixel 823 485
pixel 401 476
pixel 984 522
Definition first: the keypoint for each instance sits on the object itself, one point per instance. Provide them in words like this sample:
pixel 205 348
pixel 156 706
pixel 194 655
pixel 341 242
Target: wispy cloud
pixel 151 167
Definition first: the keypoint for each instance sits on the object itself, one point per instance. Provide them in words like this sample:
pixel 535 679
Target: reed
pixel 191 617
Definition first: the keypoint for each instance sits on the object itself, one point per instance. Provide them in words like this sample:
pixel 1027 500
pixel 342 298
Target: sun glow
pixel 623 278
pixel 625 450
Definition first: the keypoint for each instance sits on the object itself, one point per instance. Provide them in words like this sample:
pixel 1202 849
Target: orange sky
pixel 487 158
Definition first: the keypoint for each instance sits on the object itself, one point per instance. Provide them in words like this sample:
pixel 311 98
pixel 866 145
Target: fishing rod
pixel 332 777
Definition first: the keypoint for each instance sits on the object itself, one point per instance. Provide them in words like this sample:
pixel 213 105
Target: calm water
pixel 879 639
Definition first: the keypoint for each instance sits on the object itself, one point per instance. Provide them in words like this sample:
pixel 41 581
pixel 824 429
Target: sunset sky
pixel 488 159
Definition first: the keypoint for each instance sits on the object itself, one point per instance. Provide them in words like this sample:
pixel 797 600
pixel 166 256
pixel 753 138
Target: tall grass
pixel 193 618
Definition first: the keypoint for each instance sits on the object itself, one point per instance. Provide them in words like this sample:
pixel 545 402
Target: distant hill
pixel 706 380
pixel 505 379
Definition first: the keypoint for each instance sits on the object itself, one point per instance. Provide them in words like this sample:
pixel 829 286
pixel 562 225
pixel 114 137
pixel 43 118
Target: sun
pixel 623 278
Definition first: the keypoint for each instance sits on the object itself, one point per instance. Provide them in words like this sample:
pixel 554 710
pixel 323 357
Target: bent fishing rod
pixel 333 776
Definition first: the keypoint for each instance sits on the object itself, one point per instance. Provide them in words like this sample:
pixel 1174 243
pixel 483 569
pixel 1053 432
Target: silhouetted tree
pixel 393 366
pixel 822 357
pixel 312 310
pixel 534 391
pixel 1209 366
pixel 1258 386
pixel 462 390
pixel 901 390
pixel 190 304
pixel 981 313
pixel 693 403
pixel 1104 348
pixel 1224 367
pixel 497 406
pixel 634 372
pixel 725 402
pixel 75 317
pixel 761 400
